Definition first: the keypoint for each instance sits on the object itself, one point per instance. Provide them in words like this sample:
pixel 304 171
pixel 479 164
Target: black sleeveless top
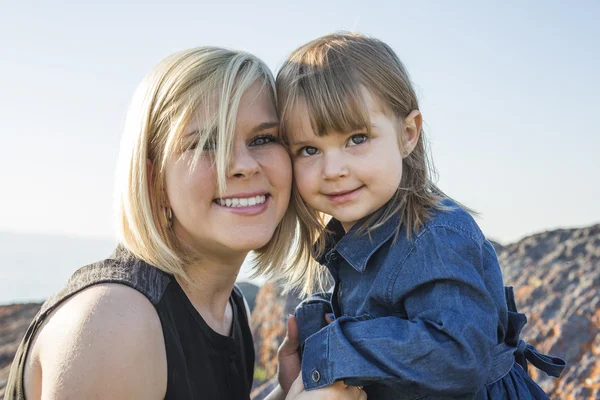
pixel 200 362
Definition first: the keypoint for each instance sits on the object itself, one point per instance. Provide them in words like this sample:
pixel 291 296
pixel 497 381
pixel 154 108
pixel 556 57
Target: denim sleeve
pixel 444 344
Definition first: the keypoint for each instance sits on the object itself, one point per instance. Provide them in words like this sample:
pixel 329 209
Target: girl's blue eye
pixel 308 151
pixel 357 139
pixel 263 140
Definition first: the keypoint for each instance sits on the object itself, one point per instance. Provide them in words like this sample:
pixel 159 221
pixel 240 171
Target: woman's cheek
pixel 278 165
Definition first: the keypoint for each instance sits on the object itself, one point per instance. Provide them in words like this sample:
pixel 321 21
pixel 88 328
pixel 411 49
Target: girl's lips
pixel 344 197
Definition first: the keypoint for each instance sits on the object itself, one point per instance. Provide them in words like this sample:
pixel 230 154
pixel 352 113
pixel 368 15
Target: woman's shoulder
pixel 120 267
pixel 107 333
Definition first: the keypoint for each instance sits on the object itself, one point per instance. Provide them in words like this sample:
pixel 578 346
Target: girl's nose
pixel 334 166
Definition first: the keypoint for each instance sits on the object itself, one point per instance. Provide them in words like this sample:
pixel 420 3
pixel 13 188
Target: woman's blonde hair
pixel 206 80
pixel 329 75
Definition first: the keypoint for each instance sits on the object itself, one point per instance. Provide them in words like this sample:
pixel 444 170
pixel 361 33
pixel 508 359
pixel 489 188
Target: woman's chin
pixel 230 242
pixel 250 237
pixel 248 245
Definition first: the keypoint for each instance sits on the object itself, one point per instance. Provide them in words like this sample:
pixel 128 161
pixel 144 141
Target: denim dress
pixel 421 318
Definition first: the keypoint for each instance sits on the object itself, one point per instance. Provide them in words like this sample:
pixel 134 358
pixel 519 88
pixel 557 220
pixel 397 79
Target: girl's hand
pixel 337 391
pixel 288 358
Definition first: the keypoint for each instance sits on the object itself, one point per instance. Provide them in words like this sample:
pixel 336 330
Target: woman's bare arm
pixel 105 342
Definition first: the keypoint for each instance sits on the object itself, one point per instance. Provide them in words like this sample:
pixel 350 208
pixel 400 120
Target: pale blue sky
pixel 509 91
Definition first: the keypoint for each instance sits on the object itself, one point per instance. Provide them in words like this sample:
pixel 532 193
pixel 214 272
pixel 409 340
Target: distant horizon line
pixel 115 240
pixel 58 234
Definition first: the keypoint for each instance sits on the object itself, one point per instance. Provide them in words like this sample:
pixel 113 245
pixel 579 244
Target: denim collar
pixel 356 248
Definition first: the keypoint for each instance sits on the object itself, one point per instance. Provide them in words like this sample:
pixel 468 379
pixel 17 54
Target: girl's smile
pixel 344 196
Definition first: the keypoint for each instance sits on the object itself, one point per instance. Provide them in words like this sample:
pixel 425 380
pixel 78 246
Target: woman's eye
pixel 308 151
pixel 357 139
pixel 210 145
pixel 263 140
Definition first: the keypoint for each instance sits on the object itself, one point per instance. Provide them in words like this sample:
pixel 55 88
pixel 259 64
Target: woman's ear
pixel 411 131
pixel 150 171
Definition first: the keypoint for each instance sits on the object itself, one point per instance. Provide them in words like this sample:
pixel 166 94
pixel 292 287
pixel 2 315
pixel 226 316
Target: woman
pixel 203 180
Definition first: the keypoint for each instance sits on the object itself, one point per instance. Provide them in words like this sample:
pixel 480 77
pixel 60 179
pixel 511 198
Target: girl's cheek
pixel 361 149
pixel 301 173
pixel 299 180
pixel 305 183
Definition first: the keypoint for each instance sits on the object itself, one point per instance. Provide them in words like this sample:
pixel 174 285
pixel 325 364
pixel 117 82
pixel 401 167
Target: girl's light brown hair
pixel 329 74
pixel 209 81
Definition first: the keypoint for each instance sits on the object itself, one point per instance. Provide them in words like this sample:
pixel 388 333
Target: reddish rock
pixel 14 320
pixel 557 279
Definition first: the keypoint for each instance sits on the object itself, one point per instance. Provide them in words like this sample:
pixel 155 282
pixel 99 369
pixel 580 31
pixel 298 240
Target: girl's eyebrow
pixel 309 142
pixel 300 143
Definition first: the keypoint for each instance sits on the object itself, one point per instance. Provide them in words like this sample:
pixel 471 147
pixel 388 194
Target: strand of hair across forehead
pixel 234 87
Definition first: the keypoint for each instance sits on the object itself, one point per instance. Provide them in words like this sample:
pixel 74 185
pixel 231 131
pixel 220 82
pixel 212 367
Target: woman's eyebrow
pixel 211 133
pixel 257 128
pixel 265 125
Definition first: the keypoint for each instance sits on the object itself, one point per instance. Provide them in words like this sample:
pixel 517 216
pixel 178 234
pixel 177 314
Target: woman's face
pixel 258 188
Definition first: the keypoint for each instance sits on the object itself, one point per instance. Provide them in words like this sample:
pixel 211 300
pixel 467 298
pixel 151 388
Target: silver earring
pixel 168 216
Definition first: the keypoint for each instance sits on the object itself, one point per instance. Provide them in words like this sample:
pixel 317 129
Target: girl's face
pixel 258 185
pixel 350 175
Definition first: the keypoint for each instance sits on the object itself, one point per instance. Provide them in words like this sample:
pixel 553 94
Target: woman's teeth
pixel 241 202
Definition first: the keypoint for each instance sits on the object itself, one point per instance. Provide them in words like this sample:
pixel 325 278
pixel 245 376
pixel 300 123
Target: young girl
pixel 419 302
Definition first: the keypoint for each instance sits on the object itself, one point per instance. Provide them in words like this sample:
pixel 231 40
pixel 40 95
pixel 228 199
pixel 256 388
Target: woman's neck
pixel 209 289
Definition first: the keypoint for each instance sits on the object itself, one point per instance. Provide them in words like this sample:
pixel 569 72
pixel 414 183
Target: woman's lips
pixel 245 208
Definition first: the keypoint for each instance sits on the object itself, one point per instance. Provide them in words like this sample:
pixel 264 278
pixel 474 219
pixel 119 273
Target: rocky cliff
pixel 556 276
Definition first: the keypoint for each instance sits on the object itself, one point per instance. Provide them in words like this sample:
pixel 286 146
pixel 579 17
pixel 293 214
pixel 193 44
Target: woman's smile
pixel 244 204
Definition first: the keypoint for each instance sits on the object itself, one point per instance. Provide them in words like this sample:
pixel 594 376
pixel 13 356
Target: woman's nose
pixel 243 164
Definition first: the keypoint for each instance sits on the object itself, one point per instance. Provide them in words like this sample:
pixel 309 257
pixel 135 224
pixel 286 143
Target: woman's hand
pixel 337 391
pixel 329 318
pixel 288 358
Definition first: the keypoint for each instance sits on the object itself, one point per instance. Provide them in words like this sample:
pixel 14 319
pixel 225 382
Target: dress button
pixel 316 376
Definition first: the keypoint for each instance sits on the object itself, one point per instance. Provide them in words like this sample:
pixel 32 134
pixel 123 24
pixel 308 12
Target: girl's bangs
pixel 334 99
